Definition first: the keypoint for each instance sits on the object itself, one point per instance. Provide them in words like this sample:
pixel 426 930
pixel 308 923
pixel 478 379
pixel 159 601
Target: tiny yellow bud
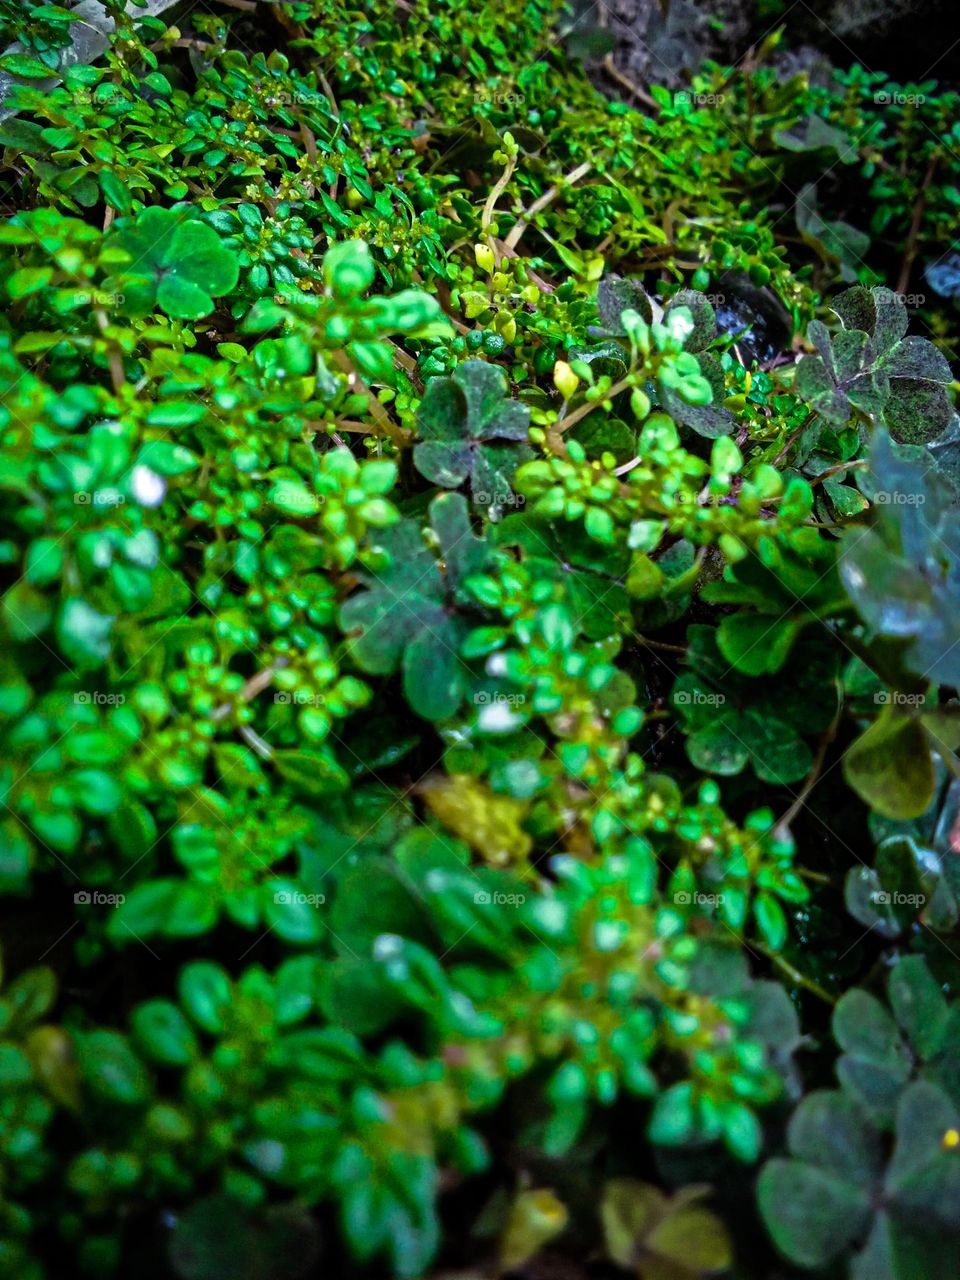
pixel 951 1139
pixel 564 379
pixel 484 256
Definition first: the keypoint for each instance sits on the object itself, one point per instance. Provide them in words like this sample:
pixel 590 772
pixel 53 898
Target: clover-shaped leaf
pixel 732 720
pixel 662 1237
pixel 177 264
pixel 456 419
pixel 835 1194
pixel 883 1051
pixel 407 617
pixel 903 573
pixel 871 367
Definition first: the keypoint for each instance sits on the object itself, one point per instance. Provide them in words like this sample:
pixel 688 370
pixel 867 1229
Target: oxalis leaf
pixel 903 572
pixel 883 1051
pixel 870 367
pixel 456 418
pixel 177 264
pixel 834 1193
pixel 407 618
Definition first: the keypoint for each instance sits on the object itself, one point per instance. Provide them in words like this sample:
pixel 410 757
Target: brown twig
pixel 255 685
pixel 114 359
pixel 625 82
pixel 813 777
pixel 380 416
pixel 794 436
pixel 913 235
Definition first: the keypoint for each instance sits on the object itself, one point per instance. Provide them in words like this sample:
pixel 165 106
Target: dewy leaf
pixel 177 263
pixel 456 418
pixel 616 295
pixel 870 366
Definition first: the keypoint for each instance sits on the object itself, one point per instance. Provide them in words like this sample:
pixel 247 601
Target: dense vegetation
pixel 480 640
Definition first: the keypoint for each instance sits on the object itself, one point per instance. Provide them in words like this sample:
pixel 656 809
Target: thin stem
pixel 491 203
pixel 256 684
pixel 380 416
pixel 588 406
pixel 913 235
pixel 813 776
pixel 791 439
pixel 625 83
pixel 661 644
pixel 516 232
pixel 114 359
pixel 795 975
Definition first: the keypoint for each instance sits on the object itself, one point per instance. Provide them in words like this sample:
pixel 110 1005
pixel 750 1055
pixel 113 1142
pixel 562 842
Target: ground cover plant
pixel 480 640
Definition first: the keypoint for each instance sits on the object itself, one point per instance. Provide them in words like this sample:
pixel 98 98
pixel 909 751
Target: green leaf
pixel 811 1214
pixel 755 644
pixel 206 993
pixel 874 1066
pixel 456 418
pixel 163 1034
pixel 312 773
pixel 111 1069
pixel 889 766
pixel 290 912
pixel 83 633
pixel 406 615
pixel 348 268
pixel 176 263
